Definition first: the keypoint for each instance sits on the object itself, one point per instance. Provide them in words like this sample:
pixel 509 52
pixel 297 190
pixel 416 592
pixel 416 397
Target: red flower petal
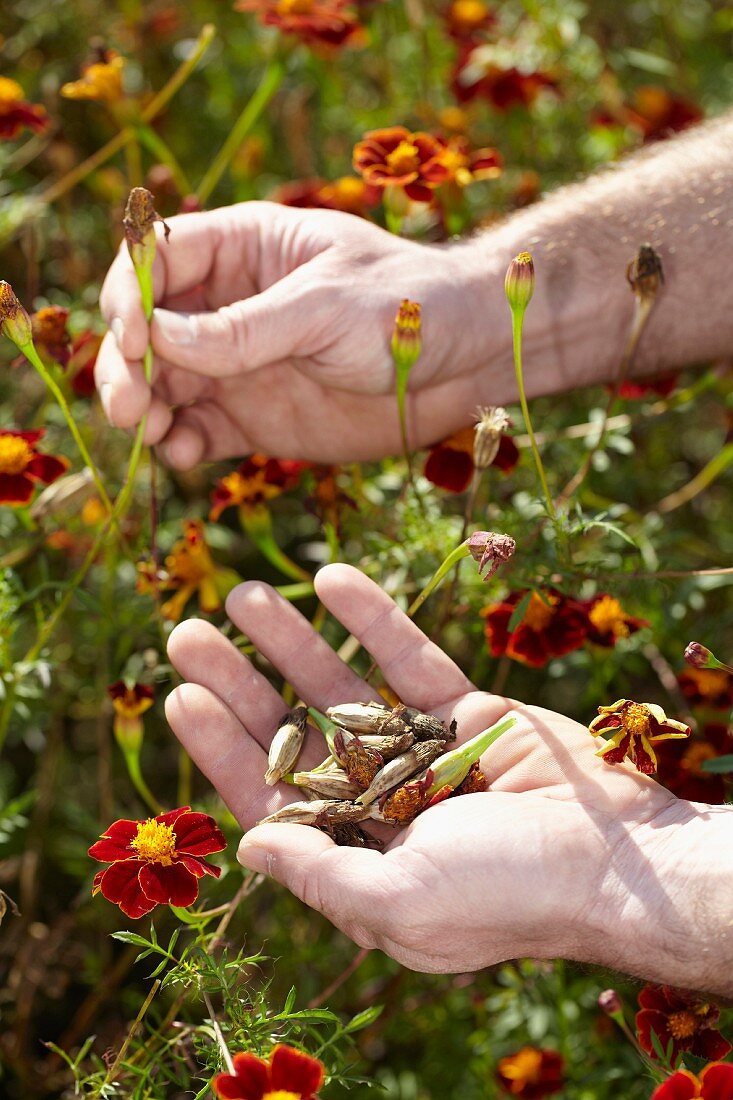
pixel 199 867
pixel 618 755
pixel 115 843
pixel 198 835
pixel 680 1086
pixel 171 816
pixel 711 1045
pixel 15 489
pixel 295 1071
pixel 172 885
pixel 251 1082
pixel 47 467
pixel 119 884
pixel 717 1081
pixel 507 456
pixel 449 469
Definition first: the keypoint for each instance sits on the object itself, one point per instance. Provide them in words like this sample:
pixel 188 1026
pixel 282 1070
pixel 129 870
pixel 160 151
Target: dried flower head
pixel 286 745
pixel 490 550
pixel 139 220
pixel 491 423
pixel 14 321
pixel 645 274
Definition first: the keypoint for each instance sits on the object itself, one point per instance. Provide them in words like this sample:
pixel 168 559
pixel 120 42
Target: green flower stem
pixel 132 761
pixel 461 551
pixel 301 591
pixel 32 355
pixel 517 324
pixel 271 80
pixel 257 523
pixel 161 151
pixel 453 766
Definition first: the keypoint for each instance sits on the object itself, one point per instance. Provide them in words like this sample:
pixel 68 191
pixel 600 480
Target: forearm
pixel 675 196
pixel 665 909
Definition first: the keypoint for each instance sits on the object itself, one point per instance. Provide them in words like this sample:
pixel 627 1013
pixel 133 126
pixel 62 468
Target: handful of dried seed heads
pixel 385 764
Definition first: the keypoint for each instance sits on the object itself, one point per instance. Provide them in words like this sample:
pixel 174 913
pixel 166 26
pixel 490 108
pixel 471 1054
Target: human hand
pixel 564 856
pixel 272 334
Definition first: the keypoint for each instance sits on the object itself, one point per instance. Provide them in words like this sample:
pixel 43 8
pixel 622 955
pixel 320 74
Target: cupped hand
pixel 272 333
pixel 537 865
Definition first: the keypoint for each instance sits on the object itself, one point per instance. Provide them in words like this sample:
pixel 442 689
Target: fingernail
pixel 176 328
pixel 256 859
pixel 117 328
pixel 104 396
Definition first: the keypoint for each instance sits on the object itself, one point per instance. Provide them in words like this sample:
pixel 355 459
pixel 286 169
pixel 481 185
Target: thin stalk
pixel 460 551
pixel 112 1071
pixel 154 143
pixel 517 323
pixel 265 90
pixel 712 470
pixel 132 762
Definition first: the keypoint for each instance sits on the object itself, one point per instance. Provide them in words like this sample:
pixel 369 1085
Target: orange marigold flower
pixel 476 76
pixel 51 335
pixel 681 1018
pixel 680 765
pixel 16 114
pixel 465 17
pixel 450 465
pixel 607 621
pixel 531 1073
pixel 190 568
pixel 326 23
pixel 714 1083
pixel 257 480
pixel 551 626
pixel 156 862
pixel 634 728
pixel 101 79
pixel 22 466
pixel 328 499
pixel 288 1074
pixel 707 687
pixel 347 193
pixel 465 165
pixel 396 157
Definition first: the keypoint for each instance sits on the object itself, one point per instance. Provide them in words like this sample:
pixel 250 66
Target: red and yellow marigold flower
pixel 396 157
pixel 190 568
pixel 477 76
pixel 714 1083
pixel 16 114
pixel 450 465
pixel 551 626
pixel 51 335
pixel 347 193
pixel 257 480
pixel 707 687
pixel 287 1074
pixel 464 165
pixel 82 360
pixel 22 466
pixel 325 23
pixel 684 1019
pixel 156 862
pixel 633 729
pixel 130 701
pixel 464 18
pixel 100 79
pixel 531 1073
pixel 328 499
pixel 653 112
pixel 681 765
pixel 608 622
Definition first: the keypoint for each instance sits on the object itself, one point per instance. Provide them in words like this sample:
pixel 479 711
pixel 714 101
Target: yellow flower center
pixel 525 1065
pixel 15 454
pixel 682 1024
pixel 468 13
pixel 608 617
pixel 539 611
pixel 10 92
pixel 294 7
pixel 282 1094
pixel 695 757
pixel 636 719
pixel 155 842
pixel 405 158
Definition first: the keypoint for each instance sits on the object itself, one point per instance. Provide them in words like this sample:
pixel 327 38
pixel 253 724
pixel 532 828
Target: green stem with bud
pixel 517 326
pixel 453 766
pixel 257 523
pixel 460 551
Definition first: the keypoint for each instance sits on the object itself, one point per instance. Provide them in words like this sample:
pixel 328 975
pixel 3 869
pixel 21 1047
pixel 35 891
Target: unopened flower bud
pixel 130 702
pixel 490 424
pixel 14 321
pixel 407 336
pixel 286 745
pixel 699 656
pixel 490 550
pixel 140 217
pixel 610 1002
pixel 519 281
pixel 645 274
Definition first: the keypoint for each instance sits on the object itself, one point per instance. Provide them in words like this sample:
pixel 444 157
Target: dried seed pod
pixel 359 717
pixel 394 724
pixel 426 727
pixel 286 745
pixel 400 769
pixel 328 784
pixel 320 812
pixel 359 762
pixel 401 806
pixel 388 747
pixel 474 782
pixel 352 836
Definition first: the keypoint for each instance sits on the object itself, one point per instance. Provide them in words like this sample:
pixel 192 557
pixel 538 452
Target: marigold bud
pixel 490 424
pixel 407 335
pixel 610 1002
pixel 645 274
pixel 699 656
pixel 519 281
pixel 140 217
pixel 14 321
pixel 490 550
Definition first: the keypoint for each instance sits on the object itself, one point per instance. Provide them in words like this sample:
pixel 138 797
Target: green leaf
pixel 365 1018
pixel 720 766
pixel 519 611
pixel 132 937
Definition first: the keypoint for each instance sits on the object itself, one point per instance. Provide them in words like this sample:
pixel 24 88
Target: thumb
pixel 239 337
pixel 348 885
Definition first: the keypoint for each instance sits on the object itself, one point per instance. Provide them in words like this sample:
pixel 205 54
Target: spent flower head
pixel 491 423
pixel 15 322
pixel 139 219
pixel 645 273
pixel 490 550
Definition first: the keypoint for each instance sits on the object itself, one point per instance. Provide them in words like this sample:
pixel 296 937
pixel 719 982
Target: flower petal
pixel 47 467
pixel 119 884
pixel 198 835
pixel 199 867
pixel 680 1086
pixel 172 885
pixel 114 844
pixel 15 489
pixel 717 1081
pixel 251 1082
pixel 295 1071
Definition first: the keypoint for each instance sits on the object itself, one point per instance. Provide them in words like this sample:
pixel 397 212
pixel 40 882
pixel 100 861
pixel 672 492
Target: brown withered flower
pixel 139 219
pixel 645 273
pixel 490 550
pixel 14 321
pixel 491 423
pixel 360 762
